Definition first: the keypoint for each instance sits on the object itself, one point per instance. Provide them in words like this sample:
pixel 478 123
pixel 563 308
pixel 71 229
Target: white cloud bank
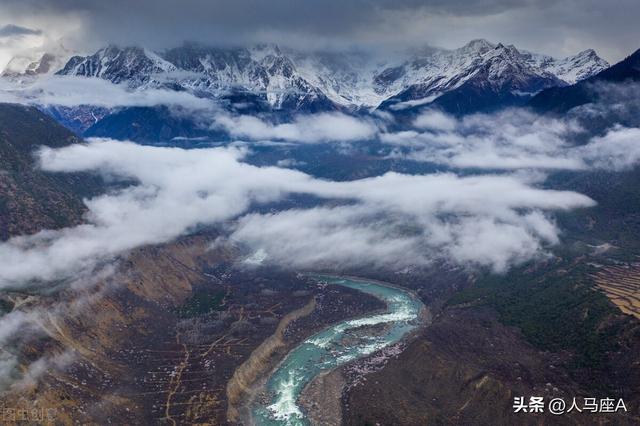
pixel 619 149
pixel 70 91
pixel 363 236
pixel 512 140
pixel 322 127
pixel 391 219
pixel 505 141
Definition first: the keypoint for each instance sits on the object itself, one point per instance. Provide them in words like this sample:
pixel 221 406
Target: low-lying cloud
pixel 323 127
pixel 509 140
pixel 71 91
pixel 364 236
pixel 14 326
pixel 28 322
pixel 489 220
pixel 618 149
pixel 512 140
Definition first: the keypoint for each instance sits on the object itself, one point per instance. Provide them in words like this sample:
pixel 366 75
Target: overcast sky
pixel 556 27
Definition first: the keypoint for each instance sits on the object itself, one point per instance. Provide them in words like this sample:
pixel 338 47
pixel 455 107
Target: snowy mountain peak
pixel 506 53
pixel 36 62
pixel 578 67
pixel 284 78
pixel 29 66
pixel 479 46
pixel 132 65
pixel 587 53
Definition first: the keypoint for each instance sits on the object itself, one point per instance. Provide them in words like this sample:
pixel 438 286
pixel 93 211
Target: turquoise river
pixel 337 345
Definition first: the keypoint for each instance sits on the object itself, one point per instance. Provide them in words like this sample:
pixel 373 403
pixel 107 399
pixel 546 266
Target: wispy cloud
pixel 30 320
pixel 511 140
pixel 70 91
pixel 177 190
pixel 313 128
pixel 402 221
pixel 618 149
pixel 15 326
pixel 11 30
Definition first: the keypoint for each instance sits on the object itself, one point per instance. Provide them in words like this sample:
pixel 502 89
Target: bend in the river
pixel 337 345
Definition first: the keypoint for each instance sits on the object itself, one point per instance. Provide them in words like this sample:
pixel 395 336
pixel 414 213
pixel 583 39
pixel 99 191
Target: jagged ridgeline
pixel 267 78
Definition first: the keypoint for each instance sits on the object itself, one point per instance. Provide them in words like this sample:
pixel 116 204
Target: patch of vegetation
pixel 616 217
pixel 555 307
pixel 202 302
pixel 38 199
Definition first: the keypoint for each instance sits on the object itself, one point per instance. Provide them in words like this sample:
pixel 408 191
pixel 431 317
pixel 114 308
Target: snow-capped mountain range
pixel 268 76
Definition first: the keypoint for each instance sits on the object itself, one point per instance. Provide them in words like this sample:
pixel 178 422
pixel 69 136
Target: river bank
pixel 322 398
pixel 333 304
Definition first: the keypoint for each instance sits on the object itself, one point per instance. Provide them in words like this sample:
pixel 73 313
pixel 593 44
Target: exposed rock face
pixel 322 399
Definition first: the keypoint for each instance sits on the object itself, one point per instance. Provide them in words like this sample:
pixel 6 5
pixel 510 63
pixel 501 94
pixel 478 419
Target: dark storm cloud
pixel 17 31
pixel 159 20
pixel 554 26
